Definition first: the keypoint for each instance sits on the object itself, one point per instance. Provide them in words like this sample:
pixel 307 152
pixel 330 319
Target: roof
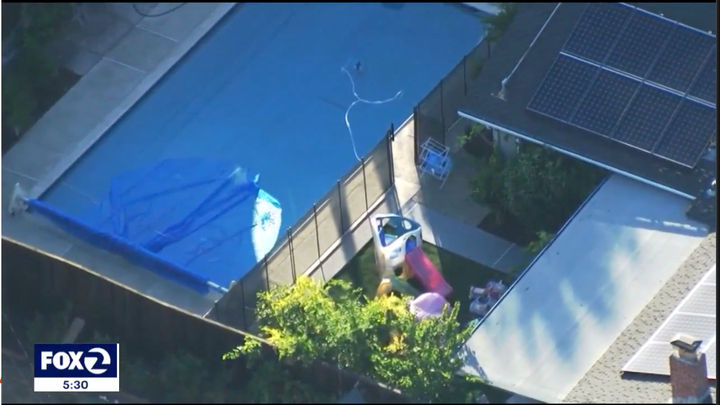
pixel 511 115
pixel 702 16
pixel 604 383
pixel 578 297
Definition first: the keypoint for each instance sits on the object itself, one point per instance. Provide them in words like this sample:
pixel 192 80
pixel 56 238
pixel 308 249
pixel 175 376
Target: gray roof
pixel 511 114
pixel 571 305
pixel 702 16
pixel 604 382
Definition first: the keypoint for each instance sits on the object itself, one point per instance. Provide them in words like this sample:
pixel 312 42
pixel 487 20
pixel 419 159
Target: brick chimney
pixel 688 371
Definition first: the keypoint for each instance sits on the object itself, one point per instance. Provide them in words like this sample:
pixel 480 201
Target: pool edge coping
pixel 147 83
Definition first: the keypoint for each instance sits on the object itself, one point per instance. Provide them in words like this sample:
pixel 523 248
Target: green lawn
pixel 458 271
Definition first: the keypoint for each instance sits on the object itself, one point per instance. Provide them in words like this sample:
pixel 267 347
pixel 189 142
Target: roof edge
pixel 575 155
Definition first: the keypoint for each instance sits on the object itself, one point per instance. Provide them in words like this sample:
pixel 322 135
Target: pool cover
pixel 188 219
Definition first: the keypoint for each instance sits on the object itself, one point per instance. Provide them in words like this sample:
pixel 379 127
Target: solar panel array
pixel 696 316
pixel 636 78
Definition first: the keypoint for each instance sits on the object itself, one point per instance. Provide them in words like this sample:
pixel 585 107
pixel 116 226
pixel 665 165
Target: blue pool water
pixel 265 92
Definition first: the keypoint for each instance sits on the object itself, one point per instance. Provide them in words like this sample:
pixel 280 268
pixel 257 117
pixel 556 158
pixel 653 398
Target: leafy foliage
pixel 378 338
pixel 18 101
pixel 470 133
pixel 540 187
pixel 498 24
pixel 32 67
pixel 543 239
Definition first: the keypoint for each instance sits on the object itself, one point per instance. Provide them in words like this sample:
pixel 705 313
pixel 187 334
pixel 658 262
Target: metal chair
pixel 435 160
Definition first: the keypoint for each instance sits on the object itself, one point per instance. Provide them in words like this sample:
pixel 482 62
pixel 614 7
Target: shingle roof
pixel 604 383
pixel 511 114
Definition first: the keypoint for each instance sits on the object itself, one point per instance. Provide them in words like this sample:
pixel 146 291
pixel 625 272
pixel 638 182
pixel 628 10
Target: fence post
pixel 267 273
pixel 342 211
pixel 292 254
pixel 362 162
pixel 465 87
pixel 317 231
pixel 391 157
pixel 416 133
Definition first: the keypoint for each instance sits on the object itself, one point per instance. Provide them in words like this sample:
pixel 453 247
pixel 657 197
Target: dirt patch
pixel 509 228
pixel 32 102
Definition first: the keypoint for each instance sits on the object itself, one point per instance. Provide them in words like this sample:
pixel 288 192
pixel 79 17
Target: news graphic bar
pixel 77 368
pixel 77 385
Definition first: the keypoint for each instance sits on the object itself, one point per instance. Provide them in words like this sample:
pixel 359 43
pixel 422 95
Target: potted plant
pixel 477 140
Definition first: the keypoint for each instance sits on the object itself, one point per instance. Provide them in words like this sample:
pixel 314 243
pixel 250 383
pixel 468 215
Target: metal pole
pixel 340 200
pixel 362 162
pixel 465 87
pixel 292 255
pixel 391 158
pixel 317 231
pixel 416 133
pixel 267 274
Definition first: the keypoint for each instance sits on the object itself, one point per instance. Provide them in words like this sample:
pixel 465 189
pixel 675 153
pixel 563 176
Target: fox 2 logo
pixel 76 360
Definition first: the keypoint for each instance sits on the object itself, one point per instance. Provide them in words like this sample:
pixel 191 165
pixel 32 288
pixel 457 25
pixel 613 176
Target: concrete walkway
pixel 447 216
pixel 121 55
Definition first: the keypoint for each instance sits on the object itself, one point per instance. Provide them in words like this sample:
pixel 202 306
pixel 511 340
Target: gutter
pixel 576 156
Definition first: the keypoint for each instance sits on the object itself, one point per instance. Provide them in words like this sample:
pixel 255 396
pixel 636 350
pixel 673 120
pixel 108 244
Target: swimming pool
pixel 263 98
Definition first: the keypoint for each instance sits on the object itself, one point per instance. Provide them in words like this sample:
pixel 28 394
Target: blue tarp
pixel 193 220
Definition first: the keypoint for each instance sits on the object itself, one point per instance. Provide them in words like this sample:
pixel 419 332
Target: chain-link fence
pixel 304 246
pixel 437 112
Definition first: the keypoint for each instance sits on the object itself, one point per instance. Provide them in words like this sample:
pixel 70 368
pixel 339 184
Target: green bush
pixel 379 338
pixel 32 68
pixel 540 187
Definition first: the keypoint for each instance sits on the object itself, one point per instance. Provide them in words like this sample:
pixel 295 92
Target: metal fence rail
pixel 437 112
pixel 306 243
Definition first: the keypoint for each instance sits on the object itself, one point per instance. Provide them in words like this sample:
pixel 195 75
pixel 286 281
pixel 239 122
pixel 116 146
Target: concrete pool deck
pixel 111 87
pixel 118 80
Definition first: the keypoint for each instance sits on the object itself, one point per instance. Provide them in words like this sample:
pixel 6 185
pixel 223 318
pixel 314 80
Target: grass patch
pixel 458 271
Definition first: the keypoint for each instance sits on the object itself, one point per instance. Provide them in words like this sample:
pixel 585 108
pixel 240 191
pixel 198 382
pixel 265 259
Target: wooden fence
pixel 34 281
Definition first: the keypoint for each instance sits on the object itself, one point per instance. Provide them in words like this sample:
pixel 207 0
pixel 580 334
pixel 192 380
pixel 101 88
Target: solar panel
pixel 705 86
pixel 696 316
pixel 563 88
pixel 688 134
pixel 682 59
pixel 640 44
pixel 605 102
pixel 648 114
pixel 598 29
pixel 592 83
